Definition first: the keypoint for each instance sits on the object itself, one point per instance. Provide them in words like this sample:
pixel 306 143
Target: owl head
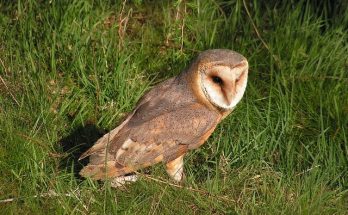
pixel 219 76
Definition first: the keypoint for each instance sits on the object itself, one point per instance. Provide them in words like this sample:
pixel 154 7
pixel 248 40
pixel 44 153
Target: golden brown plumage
pixel 172 118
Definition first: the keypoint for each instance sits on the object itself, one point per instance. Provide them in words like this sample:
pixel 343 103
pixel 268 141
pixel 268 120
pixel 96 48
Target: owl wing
pixel 164 137
pixel 161 128
pixel 161 138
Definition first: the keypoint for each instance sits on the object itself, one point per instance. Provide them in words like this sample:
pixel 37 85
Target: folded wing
pixel 161 128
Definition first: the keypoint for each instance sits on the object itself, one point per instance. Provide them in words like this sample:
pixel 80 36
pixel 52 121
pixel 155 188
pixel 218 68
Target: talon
pixel 175 169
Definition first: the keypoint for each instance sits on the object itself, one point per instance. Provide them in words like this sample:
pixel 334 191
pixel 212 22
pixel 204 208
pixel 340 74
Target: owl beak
pixel 227 91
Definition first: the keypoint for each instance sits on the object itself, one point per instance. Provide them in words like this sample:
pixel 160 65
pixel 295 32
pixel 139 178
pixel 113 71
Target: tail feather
pixel 102 172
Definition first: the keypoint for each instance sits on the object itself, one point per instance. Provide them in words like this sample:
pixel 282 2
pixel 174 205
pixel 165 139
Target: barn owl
pixel 174 117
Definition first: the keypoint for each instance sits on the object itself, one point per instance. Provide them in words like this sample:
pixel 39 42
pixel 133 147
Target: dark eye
pixel 217 80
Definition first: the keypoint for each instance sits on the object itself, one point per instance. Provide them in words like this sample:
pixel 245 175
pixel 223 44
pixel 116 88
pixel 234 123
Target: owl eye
pixel 217 80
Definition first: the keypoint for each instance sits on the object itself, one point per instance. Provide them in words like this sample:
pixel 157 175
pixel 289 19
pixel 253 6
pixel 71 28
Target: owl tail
pixel 102 171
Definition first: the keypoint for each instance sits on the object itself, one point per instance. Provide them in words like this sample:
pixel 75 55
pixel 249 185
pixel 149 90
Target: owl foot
pixel 122 180
pixel 175 169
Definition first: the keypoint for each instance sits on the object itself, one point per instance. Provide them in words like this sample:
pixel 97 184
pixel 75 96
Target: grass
pixel 70 70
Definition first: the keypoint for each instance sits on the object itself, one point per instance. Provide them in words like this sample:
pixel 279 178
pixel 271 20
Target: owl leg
pixel 122 180
pixel 175 168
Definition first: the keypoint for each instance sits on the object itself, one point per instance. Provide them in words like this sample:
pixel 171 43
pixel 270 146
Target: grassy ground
pixel 70 70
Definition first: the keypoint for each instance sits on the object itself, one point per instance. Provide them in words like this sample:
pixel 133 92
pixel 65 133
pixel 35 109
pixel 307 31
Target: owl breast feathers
pixel 174 117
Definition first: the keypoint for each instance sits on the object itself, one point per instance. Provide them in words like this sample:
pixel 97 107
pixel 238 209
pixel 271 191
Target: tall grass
pixel 70 70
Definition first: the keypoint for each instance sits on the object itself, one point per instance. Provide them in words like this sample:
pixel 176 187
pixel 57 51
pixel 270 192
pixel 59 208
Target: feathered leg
pixel 175 168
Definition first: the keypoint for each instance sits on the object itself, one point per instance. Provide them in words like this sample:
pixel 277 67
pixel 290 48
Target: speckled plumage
pixel 173 117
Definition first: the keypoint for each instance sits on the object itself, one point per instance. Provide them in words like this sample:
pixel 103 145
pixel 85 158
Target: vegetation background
pixel 71 69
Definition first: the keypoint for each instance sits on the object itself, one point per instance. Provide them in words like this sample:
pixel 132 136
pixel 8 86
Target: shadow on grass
pixel 76 143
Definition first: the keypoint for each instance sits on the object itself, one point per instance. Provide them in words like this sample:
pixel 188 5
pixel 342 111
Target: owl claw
pixel 180 180
pixel 175 169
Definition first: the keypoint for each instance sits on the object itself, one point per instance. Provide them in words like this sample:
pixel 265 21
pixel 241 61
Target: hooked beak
pixel 228 92
pixel 229 89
